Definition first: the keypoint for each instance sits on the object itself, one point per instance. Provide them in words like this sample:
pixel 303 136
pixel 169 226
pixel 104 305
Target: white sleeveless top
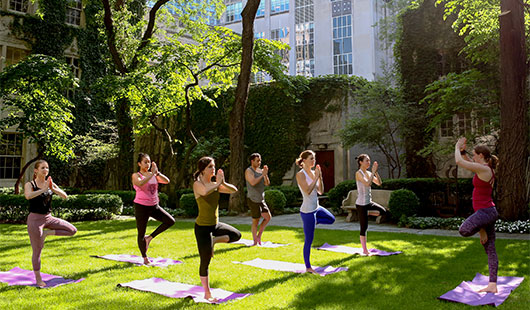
pixel 364 193
pixel 310 203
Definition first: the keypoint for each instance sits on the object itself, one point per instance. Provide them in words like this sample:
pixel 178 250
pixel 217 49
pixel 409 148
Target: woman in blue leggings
pixel 310 182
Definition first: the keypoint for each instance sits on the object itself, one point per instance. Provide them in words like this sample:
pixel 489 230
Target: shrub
pixel 275 200
pixel 180 192
pixel 337 194
pixel 403 202
pixel 7 190
pixel 521 227
pixel 128 196
pixel 292 193
pixel 188 203
pixel 14 208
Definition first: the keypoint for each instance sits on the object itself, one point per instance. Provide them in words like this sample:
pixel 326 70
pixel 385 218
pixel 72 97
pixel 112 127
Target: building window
pixel 305 62
pixel 282 35
pixel 447 128
pixel 464 123
pixel 14 55
pixel 76 71
pixel 73 12
pixel 261 9
pixel 342 45
pixel 233 12
pixel 10 155
pixel 278 6
pixel 259 35
pixel 19 5
pixel 260 77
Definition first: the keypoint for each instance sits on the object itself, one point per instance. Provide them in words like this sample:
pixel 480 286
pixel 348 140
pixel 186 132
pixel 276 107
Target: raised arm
pixel 266 175
pixel 359 177
pixel 162 179
pixel 249 176
pixel 56 189
pixel 308 188
pixel 29 193
pixel 483 171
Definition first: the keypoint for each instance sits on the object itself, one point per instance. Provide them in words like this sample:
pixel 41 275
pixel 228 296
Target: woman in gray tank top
pixel 256 179
pixel 365 205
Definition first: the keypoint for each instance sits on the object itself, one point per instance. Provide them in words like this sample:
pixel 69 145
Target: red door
pixel 326 160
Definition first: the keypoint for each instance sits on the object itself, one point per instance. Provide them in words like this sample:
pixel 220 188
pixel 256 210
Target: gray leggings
pixel 484 218
pixel 36 224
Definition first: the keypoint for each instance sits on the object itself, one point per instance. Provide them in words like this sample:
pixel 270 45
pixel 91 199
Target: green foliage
pixel 128 196
pixel 403 202
pixel 338 193
pixel 375 124
pixel 292 194
pixel 188 203
pixel 275 200
pixel 32 94
pixel 14 208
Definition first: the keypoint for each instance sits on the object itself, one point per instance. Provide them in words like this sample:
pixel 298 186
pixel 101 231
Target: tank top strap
pixel 34 185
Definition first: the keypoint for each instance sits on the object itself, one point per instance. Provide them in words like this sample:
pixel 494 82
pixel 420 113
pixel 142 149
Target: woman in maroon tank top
pixel 483 220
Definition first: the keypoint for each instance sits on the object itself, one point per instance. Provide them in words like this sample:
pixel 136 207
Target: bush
pixel 403 202
pixel 180 192
pixel 8 190
pixel 128 196
pixel 14 208
pixel 338 193
pixel 521 227
pixel 188 203
pixel 292 194
pixel 275 200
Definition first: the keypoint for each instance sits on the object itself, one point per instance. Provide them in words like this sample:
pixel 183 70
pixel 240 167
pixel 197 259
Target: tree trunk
pixel 512 199
pixel 40 153
pixel 237 115
pixel 125 143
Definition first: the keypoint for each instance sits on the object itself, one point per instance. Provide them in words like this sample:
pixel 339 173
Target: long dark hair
pixel 490 159
pixel 304 155
pixel 36 166
pixel 360 159
pixel 141 157
pixel 201 165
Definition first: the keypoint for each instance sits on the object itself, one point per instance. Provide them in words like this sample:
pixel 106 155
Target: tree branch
pixel 111 38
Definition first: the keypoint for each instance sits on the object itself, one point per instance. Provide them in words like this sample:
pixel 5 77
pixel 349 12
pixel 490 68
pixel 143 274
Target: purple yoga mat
pixel 18 276
pixel 350 250
pixel 139 261
pixel 180 290
pixel 267 244
pixel 291 267
pixel 467 292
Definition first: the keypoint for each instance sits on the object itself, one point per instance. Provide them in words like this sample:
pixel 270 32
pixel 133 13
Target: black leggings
pixel 363 214
pixel 142 214
pixel 204 236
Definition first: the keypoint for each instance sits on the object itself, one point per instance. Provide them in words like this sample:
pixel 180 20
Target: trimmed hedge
pixel 188 203
pixel 403 202
pixel 128 196
pixel 422 187
pixel 517 227
pixel 292 194
pixel 275 200
pixel 14 208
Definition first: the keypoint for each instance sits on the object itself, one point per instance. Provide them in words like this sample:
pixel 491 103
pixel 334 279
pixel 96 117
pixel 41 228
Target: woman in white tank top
pixel 310 184
pixel 365 205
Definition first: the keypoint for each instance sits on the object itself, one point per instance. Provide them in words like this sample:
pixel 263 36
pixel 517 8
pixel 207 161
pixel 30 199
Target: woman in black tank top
pixel 39 193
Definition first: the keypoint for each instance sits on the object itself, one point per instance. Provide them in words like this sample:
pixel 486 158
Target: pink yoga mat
pixel 467 291
pixel 139 261
pixel 350 250
pixel 267 244
pixel 180 290
pixel 18 276
pixel 290 267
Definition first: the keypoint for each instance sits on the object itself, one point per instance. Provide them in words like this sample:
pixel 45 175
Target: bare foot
pixel 45 233
pixel 147 241
pixel 38 280
pixel 208 296
pixel 366 254
pixel 311 270
pixel 146 261
pixel 373 213
pixel 491 288
pixel 259 240
pixel 483 236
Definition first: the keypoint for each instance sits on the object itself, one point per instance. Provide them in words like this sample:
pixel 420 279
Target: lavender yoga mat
pixel 291 267
pixel 267 244
pixel 467 292
pixel 350 250
pixel 18 276
pixel 139 261
pixel 180 290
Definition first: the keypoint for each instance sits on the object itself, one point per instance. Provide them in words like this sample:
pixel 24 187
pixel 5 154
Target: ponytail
pixel 304 155
pixel 490 159
pixel 201 165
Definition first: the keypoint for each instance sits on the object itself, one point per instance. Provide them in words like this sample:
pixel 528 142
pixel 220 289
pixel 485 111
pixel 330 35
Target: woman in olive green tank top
pixel 208 229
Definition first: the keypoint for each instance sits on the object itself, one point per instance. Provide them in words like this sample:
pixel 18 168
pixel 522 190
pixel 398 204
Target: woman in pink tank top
pixel 483 220
pixel 145 183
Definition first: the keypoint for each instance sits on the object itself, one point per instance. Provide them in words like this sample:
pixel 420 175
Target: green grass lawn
pixel 429 267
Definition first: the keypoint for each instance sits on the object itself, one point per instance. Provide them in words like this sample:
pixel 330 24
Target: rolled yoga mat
pixel 467 291
pixel 290 267
pixel 139 261
pixel 18 276
pixel 180 290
